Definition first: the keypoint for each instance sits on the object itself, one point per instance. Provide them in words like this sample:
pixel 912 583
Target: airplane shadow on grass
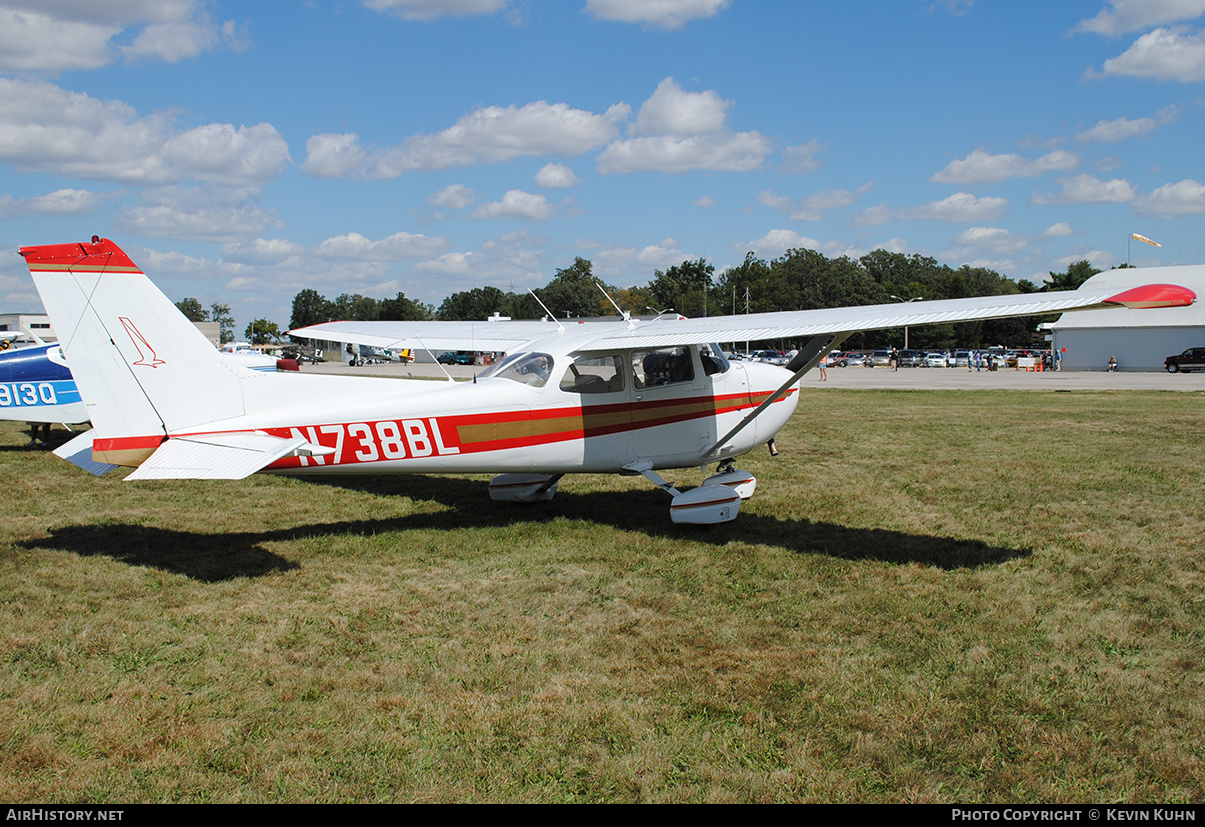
pixel 224 556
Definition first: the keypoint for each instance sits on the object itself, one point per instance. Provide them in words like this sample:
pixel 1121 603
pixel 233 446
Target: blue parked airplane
pixel 37 387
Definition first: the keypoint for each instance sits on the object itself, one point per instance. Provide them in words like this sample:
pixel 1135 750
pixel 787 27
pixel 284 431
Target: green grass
pixel 934 596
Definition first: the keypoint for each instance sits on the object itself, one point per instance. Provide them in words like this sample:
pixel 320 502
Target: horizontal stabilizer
pixel 78 451
pixel 222 456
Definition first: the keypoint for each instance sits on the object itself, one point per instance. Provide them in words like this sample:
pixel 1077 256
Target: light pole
pixel 905 301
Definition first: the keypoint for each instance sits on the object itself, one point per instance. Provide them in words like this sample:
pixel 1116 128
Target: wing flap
pixel 221 456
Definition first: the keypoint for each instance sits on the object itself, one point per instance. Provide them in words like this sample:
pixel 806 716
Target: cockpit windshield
pixel 531 369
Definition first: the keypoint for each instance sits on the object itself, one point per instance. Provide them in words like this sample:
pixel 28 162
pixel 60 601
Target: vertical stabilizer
pixel 142 368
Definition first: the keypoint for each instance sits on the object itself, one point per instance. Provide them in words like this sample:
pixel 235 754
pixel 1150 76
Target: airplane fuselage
pixel 374 425
pixel 495 425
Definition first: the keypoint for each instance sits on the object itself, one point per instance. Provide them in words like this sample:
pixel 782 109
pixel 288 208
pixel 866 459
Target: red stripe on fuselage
pixel 421 437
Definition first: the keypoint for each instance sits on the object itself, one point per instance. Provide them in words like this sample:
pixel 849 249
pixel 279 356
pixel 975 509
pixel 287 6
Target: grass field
pixel 934 596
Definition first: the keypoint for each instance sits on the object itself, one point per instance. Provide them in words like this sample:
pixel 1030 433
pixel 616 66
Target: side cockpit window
pixel 667 366
pixel 593 374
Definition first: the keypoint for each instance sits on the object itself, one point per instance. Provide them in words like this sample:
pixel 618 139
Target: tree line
pixel 800 279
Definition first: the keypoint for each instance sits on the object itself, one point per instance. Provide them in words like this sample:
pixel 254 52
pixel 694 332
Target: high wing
pixel 669 331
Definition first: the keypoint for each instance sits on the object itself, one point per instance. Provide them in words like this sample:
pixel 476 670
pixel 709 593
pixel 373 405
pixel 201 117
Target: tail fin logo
pixel 141 345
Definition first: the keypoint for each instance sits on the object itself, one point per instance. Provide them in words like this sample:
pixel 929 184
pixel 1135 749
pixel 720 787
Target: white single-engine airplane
pixel 627 397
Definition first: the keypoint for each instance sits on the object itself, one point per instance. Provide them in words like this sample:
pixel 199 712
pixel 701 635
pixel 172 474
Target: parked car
pixel 962 359
pixel 934 360
pixel 843 360
pixel 911 358
pixel 769 357
pixel 456 357
pixel 881 358
pixel 1186 362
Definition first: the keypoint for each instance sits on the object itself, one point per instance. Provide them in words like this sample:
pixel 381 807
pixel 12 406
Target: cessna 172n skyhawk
pixel 627 397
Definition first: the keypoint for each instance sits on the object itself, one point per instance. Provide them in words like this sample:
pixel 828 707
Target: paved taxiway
pixel 908 378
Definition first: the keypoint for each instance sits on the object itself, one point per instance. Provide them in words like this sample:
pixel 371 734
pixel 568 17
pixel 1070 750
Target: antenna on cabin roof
pixel 546 310
pixel 624 314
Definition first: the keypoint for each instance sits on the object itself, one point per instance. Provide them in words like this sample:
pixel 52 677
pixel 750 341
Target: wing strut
pixel 807 358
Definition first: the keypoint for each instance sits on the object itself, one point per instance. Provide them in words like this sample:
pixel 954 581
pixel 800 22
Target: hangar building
pixel 1140 339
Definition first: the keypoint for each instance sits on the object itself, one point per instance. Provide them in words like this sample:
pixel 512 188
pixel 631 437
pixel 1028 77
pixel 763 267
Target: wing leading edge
pixel 669 332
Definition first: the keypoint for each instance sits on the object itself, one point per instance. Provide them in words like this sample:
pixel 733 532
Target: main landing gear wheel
pixel 717 500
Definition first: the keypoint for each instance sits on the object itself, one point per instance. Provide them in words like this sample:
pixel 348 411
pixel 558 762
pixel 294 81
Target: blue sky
pixel 243 151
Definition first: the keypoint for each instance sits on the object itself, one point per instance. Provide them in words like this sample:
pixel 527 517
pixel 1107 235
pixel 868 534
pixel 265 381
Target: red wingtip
pixel 98 254
pixel 1154 295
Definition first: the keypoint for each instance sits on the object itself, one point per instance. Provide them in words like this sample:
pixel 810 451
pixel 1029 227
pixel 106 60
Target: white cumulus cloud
pixel 333 156
pixel 60 202
pixel 62 35
pixel 397 247
pixel 1164 54
pixel 219 223
pixel 46 128
pixel 1186 197
pixel 960 207
pixel 678 131
pixel 1088 189
pixel 452 197
pixel 984 168
pixel 742 152
pixel 673 111
pixel 1130 15
pixel 489 135
pixel 261 251
pixel 432 9
pixel 556 176
pixel 989 240
pixel 877 216
pixel 666 14
pixel 777 242
pixel 517 204
pixel 1056 230
pixel 802 158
